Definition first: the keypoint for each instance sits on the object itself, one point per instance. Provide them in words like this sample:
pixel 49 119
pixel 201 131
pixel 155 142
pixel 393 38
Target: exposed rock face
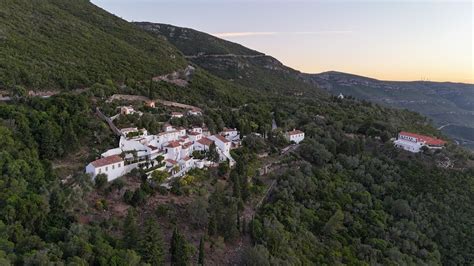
pixel 179 78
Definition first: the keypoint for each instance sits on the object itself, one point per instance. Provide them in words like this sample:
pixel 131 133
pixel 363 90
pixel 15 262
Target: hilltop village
pixel 174 151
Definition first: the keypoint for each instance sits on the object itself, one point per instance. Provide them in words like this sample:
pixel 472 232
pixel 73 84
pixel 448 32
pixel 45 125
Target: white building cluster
pixel 176 145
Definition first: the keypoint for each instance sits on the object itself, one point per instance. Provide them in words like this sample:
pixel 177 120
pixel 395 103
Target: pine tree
pixel 151 243
pixel 212 227
pixel 130 228
pixel 213 155
pixel 179 249
pixel 201 252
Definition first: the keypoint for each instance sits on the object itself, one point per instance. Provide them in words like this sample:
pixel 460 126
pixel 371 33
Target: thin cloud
pixel 270 33
pixel 242 34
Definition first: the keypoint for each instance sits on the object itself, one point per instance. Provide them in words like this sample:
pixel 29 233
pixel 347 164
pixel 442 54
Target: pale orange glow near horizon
pixel 386 39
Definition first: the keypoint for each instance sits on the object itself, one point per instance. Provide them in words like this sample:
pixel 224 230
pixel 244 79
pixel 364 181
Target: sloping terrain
pixel 449 105
pixel 67 44
pixel 344 195
pixel 234 62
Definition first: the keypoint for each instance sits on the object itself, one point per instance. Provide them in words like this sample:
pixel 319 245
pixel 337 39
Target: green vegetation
pixel 253 70
pixel 69 44
pixel 343 196
pixel 446 103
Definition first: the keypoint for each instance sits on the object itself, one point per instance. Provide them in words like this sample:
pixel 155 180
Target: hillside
pixel 449 105
pixel 70 44
pixel 345 195
pixel 234 62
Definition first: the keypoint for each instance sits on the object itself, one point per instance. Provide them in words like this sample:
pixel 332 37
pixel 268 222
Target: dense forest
pixel 345 195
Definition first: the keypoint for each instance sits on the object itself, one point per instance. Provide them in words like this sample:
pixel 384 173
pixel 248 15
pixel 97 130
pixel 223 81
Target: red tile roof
pixel 221 138
pixel 187 145
pixel 171 161
pixel 192 133
pixel 107 161
pixel 295 132
pixel 173 144
pixel 152 147
pixel 229 129
pixel 422 138
pixel 205 141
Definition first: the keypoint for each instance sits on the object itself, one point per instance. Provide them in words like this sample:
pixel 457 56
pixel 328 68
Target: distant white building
pixel 113 166
pixel 295 136
pixel 340 96
pixel 127 110
pixel 194 112
pixel 176 115
pixel 414 142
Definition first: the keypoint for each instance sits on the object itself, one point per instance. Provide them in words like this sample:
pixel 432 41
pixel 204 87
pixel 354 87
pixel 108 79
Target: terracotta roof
pixel 194 133
pixel 295 132
pixel 176 113
pixel 171 161
pixel 107 161
pixel 152 147
pixel 422 138
pixel 205 141
pixel 173 144
pixel 229 129
pixel 221 138
pixel 187 158
pixel 187 145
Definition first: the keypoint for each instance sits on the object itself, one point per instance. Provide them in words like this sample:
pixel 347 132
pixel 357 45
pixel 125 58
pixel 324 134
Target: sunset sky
pixel 391 40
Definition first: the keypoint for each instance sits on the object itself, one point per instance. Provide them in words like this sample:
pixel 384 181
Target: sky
pixel 385 39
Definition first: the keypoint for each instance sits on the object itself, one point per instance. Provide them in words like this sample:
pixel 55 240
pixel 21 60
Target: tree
pixel 159 176
pixel 256 256
pixel 151 243
pixel 130 230
pixel 223 168
pixel 178 249
pixel 201 252
pixel 212 154
pixel 100 181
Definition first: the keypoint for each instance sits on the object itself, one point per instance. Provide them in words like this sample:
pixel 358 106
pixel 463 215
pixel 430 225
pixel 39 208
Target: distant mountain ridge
pixel 233 61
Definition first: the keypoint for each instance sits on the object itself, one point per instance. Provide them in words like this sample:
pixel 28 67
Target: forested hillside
pixel 234 62
pixel 70 44
pixel 345 195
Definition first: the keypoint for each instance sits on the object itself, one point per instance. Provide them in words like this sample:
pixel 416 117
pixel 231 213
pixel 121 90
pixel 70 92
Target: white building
pixel 113 166
pixel 203 144
pixel 414 142
pixel 295 136
pixel 176 115
pixel 194 136
pixel 194 112
pixel 230 134
pixel 222 143
pixel 196 129
pixel 127 110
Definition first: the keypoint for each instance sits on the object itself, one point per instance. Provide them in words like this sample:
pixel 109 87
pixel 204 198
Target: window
pixel 118 165
pixel 100 170
pixel 106 168
pixel 113 166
